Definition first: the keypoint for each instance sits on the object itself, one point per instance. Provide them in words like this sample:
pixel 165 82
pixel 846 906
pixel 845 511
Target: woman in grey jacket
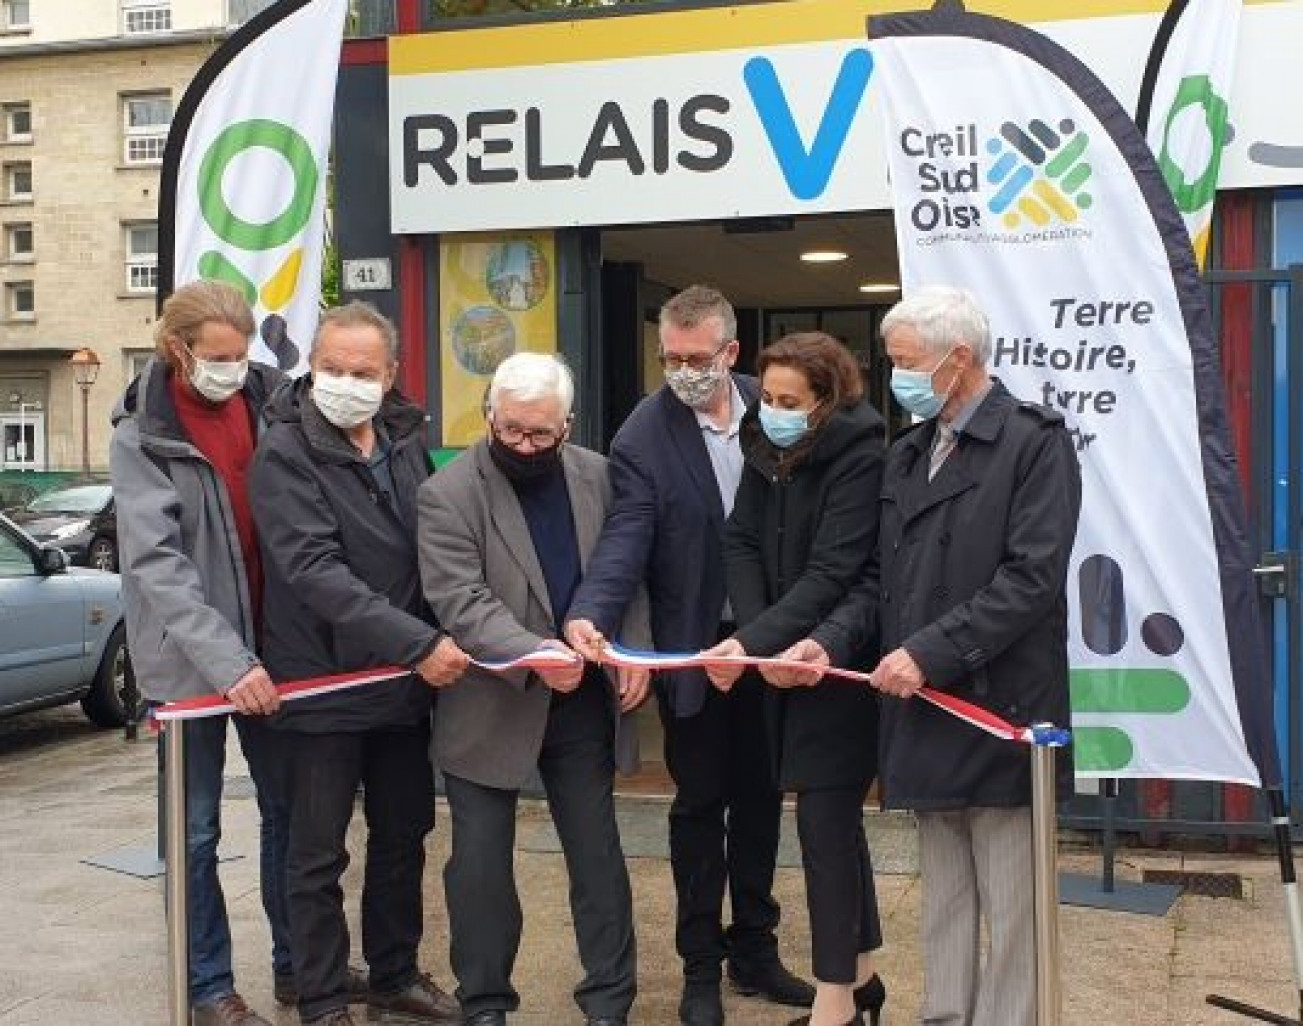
pixel 183 438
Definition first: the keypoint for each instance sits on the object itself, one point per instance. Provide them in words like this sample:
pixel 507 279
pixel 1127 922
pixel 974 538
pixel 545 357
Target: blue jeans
pixel 211 976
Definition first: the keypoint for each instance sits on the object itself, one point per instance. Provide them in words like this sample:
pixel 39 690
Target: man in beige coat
pixel 503 535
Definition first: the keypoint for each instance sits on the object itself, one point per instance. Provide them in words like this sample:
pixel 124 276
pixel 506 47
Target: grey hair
pixel 360 315
pixel 697 304
pixel 943 316
pixel 527 377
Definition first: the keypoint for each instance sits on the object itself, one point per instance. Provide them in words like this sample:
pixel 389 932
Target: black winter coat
pixel 974 569
pixel 795 544
pixel 343 589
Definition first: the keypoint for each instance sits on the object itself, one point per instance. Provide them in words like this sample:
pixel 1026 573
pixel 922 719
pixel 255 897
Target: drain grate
pixel 1206 885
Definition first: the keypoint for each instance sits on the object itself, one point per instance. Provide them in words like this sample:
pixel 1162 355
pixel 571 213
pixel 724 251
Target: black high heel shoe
pixel 871 997
pixel 854 1020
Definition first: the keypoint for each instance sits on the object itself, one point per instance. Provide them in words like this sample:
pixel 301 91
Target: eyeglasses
pixel 539 438
pixel 697 363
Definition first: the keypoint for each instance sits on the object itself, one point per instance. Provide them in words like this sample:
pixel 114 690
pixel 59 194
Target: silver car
pixel 61 633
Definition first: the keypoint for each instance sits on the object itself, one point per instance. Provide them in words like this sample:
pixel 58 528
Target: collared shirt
pixel 725 451
pixel 948 431
pixel 724 448
pixel 378 464
pixel 960 420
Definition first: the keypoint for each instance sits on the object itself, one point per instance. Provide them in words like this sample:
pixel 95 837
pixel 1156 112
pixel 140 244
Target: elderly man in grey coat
pixel 504 533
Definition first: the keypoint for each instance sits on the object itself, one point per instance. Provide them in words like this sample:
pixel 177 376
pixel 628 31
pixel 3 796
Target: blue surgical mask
pixel 915 392
pixel 783 427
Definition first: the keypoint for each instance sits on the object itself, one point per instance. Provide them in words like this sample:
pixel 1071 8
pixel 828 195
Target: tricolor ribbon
pixel 618 655
pixel 219 705
pixel 982 719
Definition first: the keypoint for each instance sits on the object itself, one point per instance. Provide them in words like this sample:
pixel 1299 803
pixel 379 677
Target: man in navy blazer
pixel 674 466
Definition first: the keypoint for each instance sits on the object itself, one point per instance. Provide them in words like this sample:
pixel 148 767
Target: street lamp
pixel 85 369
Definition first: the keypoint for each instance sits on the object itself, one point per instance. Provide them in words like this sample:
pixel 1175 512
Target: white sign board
pixel 659 117
pixel 370 274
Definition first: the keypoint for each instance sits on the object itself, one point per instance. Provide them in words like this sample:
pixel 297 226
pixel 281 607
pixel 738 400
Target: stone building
pixel 87 91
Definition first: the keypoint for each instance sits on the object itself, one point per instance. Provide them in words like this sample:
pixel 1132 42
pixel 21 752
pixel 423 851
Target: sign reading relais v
pixel 629 130
pixel 725 112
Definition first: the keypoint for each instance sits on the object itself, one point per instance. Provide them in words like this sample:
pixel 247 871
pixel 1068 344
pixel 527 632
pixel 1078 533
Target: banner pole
pixel 1289 883
pixel 1293 917
pixel 178 932
pixel 1045 880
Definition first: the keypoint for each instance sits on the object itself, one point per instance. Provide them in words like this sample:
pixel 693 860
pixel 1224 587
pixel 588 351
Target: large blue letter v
pixel 807 173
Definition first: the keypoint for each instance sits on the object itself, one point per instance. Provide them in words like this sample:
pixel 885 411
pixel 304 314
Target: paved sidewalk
pixel 82 946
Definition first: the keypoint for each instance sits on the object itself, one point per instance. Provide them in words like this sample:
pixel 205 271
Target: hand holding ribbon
pixel 725 663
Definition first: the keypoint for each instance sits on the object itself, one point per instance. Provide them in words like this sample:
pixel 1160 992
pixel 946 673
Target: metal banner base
pixel 1146 899
pixel 142 863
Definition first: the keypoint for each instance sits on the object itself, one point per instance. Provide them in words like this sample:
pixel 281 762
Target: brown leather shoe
pixel 339 1017
pixel 227 1011
pixel 421 1001
pixel 286 988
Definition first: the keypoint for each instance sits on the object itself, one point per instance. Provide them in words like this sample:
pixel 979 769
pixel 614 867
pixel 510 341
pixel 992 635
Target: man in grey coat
pixel 503 535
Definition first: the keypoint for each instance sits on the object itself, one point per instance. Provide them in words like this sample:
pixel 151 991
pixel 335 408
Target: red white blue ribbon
pixel 220 705
pixel 982 719
pixel 616 655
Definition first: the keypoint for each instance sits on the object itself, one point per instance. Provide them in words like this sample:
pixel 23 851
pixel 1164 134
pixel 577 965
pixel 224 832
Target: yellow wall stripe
pixel 658 33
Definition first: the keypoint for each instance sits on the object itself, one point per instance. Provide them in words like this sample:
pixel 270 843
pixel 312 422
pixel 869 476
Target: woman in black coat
pixel 803 530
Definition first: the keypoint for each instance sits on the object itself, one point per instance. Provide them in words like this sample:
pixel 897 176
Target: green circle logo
pixel 1195 91
pixel 231 143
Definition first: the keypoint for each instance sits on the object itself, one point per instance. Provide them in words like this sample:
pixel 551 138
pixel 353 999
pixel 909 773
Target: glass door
pixel 22 440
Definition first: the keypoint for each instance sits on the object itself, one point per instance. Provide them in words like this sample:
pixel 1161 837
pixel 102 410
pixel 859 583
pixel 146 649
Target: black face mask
pixel 525 467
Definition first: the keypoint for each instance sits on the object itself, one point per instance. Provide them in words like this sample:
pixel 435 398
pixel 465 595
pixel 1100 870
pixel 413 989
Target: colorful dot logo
pixel 1038 173
pixel 1110 691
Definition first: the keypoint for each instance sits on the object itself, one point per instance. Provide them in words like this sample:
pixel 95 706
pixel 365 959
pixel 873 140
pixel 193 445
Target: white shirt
pixel 725 451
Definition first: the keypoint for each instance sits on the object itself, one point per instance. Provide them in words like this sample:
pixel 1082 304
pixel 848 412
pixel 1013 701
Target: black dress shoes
pixel 607 1020
pixel 701 1005
pixel 854 1020
pixel 870 997
pixel 493 1017
pixel 772 981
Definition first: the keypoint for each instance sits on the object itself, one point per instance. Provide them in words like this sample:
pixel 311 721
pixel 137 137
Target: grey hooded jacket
pixel 190 629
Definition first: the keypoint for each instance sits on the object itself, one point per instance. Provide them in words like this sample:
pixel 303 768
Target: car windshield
pixel 81 499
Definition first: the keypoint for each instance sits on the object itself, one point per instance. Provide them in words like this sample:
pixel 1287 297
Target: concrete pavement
pixel 82 946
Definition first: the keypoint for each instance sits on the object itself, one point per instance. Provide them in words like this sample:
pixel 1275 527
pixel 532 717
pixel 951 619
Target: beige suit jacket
pixel 485 584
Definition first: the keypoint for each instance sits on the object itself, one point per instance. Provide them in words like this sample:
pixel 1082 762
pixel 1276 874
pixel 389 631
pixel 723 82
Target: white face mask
pixel 217 380
pixel 346 401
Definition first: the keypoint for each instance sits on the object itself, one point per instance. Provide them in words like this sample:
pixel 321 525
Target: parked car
pixel 79 519
pixel 61 633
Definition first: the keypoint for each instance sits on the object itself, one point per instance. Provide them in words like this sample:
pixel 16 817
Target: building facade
pixel 87 91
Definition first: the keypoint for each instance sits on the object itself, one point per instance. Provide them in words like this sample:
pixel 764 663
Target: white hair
pixel 943 316
pixel 527 377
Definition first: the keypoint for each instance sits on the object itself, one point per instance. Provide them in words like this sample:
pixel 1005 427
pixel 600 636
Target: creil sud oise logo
pixel 1023 177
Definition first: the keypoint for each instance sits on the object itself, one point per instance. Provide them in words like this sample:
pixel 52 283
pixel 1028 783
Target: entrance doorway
pixel 758 264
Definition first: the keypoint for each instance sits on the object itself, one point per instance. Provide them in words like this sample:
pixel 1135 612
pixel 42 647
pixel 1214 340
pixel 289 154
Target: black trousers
pixel 577 766
pixel 321 780
pixel 839 889
pixel 724 825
